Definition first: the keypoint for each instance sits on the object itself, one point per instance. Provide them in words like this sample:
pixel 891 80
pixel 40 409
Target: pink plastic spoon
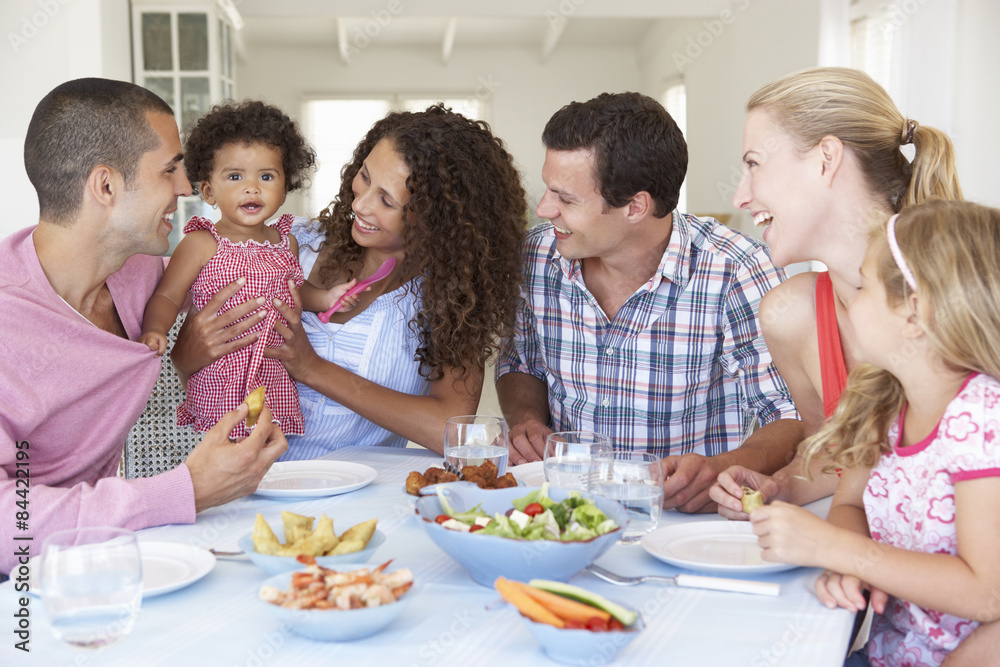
pixel 382 271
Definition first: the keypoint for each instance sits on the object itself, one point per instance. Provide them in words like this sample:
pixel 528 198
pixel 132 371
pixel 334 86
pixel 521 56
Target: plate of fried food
pixel 357 544
pixel 484 476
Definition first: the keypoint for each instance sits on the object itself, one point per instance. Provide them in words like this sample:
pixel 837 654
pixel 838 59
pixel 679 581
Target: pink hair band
pixel 897 255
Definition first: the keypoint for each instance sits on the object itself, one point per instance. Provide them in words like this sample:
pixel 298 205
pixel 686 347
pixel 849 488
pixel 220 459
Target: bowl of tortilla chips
pixel 357 544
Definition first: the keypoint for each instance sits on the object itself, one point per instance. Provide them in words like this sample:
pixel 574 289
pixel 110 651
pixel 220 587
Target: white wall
pixel 521 92
pixel 47 42
pixel 722 60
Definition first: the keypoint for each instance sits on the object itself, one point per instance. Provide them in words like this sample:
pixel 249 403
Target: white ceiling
pixel 450 24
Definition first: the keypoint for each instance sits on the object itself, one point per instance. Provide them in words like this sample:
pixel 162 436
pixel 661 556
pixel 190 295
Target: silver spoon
pixel 690 581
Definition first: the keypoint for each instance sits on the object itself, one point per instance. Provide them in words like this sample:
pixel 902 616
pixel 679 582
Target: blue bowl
pixel 487 557
pixel 336 625
pixel 279 564
pixel 583 647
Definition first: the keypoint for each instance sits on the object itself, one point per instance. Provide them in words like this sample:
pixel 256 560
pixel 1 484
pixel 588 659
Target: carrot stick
pixel 563 607
pixel 525 604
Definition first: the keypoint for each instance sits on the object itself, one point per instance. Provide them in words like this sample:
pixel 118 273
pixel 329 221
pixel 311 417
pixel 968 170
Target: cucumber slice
pixel 626 616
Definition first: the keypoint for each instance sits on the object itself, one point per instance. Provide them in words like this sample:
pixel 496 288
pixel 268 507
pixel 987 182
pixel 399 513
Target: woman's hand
pixel 728 490
pixel 207 335
pixel 297 354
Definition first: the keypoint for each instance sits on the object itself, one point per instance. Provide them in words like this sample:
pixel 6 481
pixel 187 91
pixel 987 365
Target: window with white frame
pixel 335 125
pixel 183 52
pixel 872 32
pixel 675 102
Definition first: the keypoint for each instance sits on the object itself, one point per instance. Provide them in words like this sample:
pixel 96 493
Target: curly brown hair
pixel 465 221
pixel 248 122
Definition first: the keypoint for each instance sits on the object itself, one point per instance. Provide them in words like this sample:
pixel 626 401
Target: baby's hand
pixel 338 291
pixel 156 341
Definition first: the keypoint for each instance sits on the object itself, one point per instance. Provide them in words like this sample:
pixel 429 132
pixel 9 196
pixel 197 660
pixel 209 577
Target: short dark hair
pixel 248 122
pixel 79 125
pixel 637 146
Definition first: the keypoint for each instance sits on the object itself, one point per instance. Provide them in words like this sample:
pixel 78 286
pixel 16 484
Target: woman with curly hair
pixel 440 194
pixel 243 158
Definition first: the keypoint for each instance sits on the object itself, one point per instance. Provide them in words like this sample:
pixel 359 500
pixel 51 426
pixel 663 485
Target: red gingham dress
pixel 221 387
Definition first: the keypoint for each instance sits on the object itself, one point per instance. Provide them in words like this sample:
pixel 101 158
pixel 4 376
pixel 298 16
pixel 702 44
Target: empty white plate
pixel 710 546
pixel 529 474
pixel 314 478
pixel 167 566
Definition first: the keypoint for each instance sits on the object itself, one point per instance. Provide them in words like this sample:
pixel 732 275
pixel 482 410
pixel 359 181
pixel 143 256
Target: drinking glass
pixel 635 480
pixel 471 440
pixel 568 455
pixel 91 584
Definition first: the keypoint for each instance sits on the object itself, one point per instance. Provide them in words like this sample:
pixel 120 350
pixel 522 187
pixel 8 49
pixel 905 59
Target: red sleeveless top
pixel 833 370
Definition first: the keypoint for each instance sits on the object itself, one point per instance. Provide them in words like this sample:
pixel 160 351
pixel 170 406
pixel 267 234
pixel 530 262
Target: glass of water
pixel 471 440
pixel 568 455
pixel 635 480
pixel 91 584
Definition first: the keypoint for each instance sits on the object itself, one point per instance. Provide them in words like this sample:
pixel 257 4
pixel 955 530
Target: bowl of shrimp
pixel 351 602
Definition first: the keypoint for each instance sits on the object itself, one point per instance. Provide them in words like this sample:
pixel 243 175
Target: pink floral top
pixel 910 504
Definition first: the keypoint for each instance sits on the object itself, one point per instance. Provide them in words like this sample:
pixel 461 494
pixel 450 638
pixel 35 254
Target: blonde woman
pixel 822 153
pixel 917 438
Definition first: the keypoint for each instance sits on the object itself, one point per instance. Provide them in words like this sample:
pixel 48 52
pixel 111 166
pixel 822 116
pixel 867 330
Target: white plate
pixel 166 567
pixel 710 546
pixel 314 478
pixel 529 474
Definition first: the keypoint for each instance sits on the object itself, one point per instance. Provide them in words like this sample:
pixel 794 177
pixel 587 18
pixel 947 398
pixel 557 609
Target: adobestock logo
pixel 30 25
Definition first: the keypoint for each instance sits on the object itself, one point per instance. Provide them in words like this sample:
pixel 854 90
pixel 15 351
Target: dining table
pixel 451 620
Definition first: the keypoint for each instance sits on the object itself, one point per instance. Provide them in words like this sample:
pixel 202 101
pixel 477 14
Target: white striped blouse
pixel 377 344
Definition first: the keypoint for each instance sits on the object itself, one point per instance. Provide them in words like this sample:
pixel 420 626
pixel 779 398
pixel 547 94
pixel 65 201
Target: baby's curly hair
pixel 248 122
pixel 465 221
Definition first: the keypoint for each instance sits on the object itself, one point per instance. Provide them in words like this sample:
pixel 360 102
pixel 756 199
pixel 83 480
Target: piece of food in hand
pixel 264 539
pixel 751 499
pixel 297 526
pixel 255 401
pixel 355 538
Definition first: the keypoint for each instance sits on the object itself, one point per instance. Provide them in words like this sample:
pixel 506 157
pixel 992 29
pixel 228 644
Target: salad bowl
pixel 487 557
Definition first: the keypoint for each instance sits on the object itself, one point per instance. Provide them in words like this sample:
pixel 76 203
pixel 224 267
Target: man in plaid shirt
pixel 640 322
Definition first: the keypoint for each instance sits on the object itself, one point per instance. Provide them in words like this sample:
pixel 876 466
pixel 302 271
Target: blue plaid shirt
pixel 681 368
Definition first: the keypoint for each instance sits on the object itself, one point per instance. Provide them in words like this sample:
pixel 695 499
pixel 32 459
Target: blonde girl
pixel 917 434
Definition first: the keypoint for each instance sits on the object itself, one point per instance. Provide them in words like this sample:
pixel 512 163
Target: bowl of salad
pixel 545 533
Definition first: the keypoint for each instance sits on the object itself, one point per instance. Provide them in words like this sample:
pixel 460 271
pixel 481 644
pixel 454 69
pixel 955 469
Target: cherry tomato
pixel 441 518
pixel 615 624
pixel 597 624
pixel 534 509
pixel 474 527
pixel 573 624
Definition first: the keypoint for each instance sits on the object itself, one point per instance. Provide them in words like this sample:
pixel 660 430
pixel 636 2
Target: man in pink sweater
pixel 105 159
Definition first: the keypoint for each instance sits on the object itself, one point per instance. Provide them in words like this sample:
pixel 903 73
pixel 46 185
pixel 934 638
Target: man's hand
pixel 527 441
pixel 687 479
pixel 222 470
pixel 208 335
pixel 297 354
pixel 728 490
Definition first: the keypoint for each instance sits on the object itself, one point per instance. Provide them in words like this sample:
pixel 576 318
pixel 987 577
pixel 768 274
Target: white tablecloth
pixel 219 621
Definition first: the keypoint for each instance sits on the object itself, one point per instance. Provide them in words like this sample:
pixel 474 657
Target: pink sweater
pixel 69 393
